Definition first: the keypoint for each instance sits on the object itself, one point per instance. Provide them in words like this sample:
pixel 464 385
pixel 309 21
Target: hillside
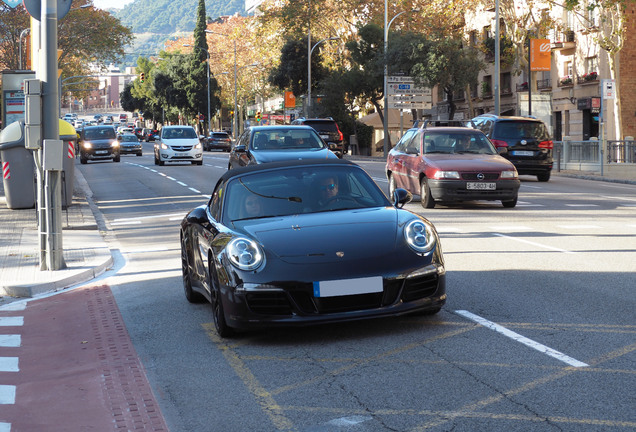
pixel 155 21
pixel 166 17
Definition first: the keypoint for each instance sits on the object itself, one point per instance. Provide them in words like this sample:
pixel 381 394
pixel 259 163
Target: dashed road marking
pixel 522 339
pixel 7 394
pixel 9 364
pixel 534 243
pixel 10 341
pixel 11 321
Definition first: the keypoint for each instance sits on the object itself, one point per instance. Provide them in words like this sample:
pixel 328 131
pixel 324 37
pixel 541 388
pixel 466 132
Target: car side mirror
pixel 401 197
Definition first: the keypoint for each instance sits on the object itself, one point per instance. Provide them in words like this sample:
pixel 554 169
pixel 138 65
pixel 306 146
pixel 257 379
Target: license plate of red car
pixel 481 186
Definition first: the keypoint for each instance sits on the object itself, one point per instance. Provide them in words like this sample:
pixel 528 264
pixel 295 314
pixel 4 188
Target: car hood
pixel 329 236
pixel 468 162
pixel 180 141
pixel 281 155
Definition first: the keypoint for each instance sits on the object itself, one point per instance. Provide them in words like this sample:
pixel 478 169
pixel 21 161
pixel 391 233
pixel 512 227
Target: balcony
pixel 564 40
pixel 566 81
pixel 588 78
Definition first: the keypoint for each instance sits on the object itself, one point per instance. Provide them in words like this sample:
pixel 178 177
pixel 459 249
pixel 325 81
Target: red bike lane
pixel 77 368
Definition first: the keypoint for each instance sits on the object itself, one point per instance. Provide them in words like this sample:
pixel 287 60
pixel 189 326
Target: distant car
pixel 129 144
pixel 124 129
pixel 302 258
pixel 123 118
pixel 108 120
pixel 451 164
pixel 98 118
pixel 178 144
pixel 139 132
pixel 98 143
pixel 150 134
pixel 218 141
pixel 262 144
pixel 524 141
pixel 328 130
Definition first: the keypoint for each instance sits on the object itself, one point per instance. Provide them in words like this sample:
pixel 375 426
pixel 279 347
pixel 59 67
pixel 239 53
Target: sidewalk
pixel 85 252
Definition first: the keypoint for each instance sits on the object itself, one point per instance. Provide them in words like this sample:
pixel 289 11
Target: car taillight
pixel 340 133
pixel 546 144
pixel 499 143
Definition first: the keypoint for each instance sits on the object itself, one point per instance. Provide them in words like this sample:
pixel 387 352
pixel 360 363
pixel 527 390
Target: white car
pixel 178 144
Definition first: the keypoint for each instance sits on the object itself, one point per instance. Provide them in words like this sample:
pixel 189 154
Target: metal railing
pixel 585 155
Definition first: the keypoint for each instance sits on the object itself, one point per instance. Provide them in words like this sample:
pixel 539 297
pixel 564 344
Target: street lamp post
pixel 386 72
pixel 207 55
pixel 498 60
pixel 22 34
pixel 309 72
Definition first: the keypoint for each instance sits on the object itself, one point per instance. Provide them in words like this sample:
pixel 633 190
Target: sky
pixel 103 4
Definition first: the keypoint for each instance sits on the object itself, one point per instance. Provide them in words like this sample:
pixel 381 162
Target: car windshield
pixel 462 143
pixel 99 133
pixel 179 133
pixel 129 138
pixel 287 139
pixel 520 130
pixel 299 190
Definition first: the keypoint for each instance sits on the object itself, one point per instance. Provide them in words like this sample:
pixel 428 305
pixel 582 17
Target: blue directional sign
pixel 13 3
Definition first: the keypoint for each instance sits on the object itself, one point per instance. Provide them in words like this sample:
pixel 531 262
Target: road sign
pixel 410 98
pixel 609 88
pixel 410 105
pixel 406 89
pixel 34 7
pixel 12 3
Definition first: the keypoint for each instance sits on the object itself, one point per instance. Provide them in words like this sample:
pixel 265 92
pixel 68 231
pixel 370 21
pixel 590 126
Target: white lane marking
pixel 523 185
pixel 5 427
pixel 15 306
pixel 527 204
pixel 171 178
pixel 581 205
pixel 534 244
pixel 132 222
pixel 194 190
pixel 522 339
pixel 149 217
pixel 444 229
pixel 380 179
pixel 349 421
pixel 219 167
pixel 11 321
pixel 511 228
pixel 182 183
pixel 7 394
pixel 9 364
pixel 10 341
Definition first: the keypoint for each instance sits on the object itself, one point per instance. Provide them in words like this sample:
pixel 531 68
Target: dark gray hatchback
pixel 98 143
pixel 524 141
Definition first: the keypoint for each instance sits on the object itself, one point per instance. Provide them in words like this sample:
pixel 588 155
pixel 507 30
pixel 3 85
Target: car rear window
pixel 520 129
pixel 326 126
pixel 220 135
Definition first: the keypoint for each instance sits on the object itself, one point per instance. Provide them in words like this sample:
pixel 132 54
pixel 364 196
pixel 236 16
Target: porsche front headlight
pixel 419 236
pixel 245 254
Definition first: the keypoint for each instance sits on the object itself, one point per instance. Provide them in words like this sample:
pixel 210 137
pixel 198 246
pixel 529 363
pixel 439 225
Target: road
pixel 538 334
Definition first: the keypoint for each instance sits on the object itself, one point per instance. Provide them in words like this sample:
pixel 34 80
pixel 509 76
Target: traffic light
pixel 258 116
pixel 142 77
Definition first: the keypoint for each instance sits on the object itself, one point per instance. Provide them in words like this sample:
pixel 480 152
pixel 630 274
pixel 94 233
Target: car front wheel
pixel 191 295
pixel 510 203
pixel 426 199
pixel 218 314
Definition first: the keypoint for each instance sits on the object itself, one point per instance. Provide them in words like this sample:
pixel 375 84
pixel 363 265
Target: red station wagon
pixel 451 164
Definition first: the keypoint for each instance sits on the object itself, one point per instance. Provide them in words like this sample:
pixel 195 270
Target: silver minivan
pixel 178 143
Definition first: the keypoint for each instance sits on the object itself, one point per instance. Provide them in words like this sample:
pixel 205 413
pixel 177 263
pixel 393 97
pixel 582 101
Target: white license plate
pixel 481 186
pixel 101 152
pixel 324 136
pixel 522 153
pixel 344 287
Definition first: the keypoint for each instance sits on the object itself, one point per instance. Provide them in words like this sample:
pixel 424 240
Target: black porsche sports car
pixel 303 242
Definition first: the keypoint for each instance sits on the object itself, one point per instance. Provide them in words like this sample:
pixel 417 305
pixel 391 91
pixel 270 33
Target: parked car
pixel 306 259
pixel 451 164
pixel 328 130
pixel 178 144
pixel 262 144
pixel 218 140
pixel 98 143
pixel 129 144
pixel 524 141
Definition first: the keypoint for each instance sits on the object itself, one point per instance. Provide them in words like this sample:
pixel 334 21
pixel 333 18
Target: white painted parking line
pixel 15 306
pixel 7 394
pixel 527 204
pixel 5 427
pixel 9 364
pixel 134 222
pixel 522 339
pixel 10 341
pixel 11 321
pixel 581 205
pixel 534 244
pixel 182 183
pixel 195 190
pixel 511 228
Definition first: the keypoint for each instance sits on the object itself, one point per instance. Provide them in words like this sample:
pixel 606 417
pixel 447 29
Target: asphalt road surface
pixel 538 334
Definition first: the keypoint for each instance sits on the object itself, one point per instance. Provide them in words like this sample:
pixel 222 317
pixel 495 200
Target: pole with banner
pixel 540 60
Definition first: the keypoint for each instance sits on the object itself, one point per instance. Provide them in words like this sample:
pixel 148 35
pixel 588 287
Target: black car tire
pixel 83 160
pixel 117 158
pixel 191 295
pixel 426 199
pixel 139 154
pixel 218 314
pixel 544 177
pixel 160 162
pixel 510 203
